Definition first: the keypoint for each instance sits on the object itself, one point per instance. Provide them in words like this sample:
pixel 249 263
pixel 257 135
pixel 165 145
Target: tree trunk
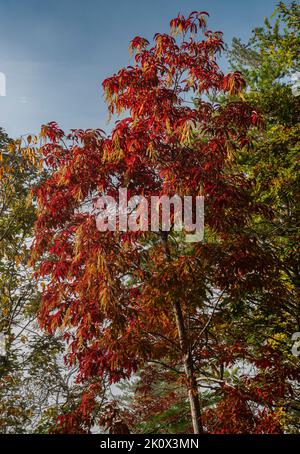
pixel 187 359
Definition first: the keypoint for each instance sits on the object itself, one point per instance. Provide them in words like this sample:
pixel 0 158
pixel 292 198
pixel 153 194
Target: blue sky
pixel 55 53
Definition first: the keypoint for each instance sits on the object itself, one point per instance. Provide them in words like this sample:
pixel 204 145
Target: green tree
pixel 269 61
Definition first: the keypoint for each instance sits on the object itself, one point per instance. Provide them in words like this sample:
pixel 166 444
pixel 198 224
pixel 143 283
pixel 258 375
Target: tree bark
pixel 187 360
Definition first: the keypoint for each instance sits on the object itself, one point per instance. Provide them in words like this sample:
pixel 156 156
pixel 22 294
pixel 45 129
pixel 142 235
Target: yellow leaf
pixel 11 147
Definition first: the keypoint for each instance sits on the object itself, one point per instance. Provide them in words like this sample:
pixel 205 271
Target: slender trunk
pixel 187 359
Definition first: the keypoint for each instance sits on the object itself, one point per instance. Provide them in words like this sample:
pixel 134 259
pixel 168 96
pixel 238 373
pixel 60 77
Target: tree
pixel 269 61
pixel 34 386
pixel 16 290
pixel 272 52
pixel 128 298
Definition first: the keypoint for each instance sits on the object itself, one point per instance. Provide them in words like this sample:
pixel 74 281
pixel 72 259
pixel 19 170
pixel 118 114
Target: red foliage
pixel 105 289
